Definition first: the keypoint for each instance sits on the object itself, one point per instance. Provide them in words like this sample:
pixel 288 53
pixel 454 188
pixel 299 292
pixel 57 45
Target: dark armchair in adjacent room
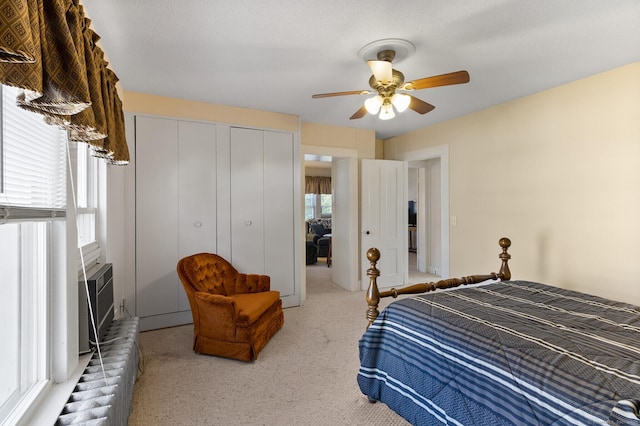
pixel 320 228
pixel 234 314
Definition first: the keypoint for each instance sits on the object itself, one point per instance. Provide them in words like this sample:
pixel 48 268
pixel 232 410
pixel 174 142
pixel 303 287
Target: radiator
pixel 96 401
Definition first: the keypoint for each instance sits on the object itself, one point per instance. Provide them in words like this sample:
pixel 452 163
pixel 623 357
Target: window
pixel 32 208
pixel 23 312
pixel 325 205
pixel 86 204
pixel 33 162
pixel 85 195
pixel 309 206
pixel 317 205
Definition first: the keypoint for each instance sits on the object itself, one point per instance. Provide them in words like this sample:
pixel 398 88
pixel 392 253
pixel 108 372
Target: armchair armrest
pixel 252 283
pixel 217 315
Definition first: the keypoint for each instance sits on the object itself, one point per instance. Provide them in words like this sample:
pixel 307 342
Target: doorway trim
pixel 441 152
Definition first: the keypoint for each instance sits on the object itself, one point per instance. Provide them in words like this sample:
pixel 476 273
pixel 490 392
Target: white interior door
pixel 262 207
pixel 384 220
pixel 278 212
pixel 175 212
pixel 247 218
pixel 196 192
pixel 344 241
pixel 157 284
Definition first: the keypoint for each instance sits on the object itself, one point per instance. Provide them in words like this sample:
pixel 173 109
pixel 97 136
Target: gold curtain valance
pixel 48 49
pixel 317 185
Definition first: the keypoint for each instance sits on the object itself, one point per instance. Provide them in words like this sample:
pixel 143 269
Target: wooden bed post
pixel 505 273
pixel 374 294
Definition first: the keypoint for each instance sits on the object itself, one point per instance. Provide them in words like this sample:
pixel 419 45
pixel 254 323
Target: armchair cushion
pixel 250 307
pixel 234 315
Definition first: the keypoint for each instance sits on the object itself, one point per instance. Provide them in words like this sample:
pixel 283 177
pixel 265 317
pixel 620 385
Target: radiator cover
pixel 99 401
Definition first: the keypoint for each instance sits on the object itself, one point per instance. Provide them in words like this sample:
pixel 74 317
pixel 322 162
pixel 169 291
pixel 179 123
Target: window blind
pixel 32 164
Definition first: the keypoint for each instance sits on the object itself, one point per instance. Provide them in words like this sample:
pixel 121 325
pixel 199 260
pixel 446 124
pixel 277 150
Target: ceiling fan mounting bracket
pixel 402 49
pixel 386 55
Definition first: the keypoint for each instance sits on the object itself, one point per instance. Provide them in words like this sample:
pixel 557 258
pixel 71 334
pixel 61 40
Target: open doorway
pixel 318 209
pixel 432 166
pixel 340 257
pixel 424 219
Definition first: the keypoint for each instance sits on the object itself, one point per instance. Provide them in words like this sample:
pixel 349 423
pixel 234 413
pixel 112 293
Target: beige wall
pixel 202 111
pixel 559 173
pixel 379 149
pixel 364 141
pixel 317 171
pixel 313 134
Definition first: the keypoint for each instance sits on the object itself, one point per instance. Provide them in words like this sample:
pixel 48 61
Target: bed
pixel 501 352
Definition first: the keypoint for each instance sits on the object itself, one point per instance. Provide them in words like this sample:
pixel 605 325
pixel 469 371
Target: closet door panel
pixel 196 193
pixel 156 215
pixel 247 217
pixel 278 211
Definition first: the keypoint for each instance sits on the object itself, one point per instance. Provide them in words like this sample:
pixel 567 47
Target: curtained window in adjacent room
pixel 318 198
pixel 317 185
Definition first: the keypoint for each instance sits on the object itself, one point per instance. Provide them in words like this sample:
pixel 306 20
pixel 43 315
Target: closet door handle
pixel 197 224
pixel 248 223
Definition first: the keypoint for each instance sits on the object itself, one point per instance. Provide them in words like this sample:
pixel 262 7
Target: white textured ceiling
pixel 274 54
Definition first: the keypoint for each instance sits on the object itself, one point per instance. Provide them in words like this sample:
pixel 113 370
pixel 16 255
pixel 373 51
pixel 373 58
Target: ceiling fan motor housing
pixel 388 89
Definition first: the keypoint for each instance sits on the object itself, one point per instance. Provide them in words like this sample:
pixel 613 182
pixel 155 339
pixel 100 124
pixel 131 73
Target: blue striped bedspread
pixel 508 353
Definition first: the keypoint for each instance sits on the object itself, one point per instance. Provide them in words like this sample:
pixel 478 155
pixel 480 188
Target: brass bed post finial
pixel 373 294
pixel 505 273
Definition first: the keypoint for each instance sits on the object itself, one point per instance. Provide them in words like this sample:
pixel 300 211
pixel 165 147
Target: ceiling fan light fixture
pixel 401 101
pixel 381 70
pixel 386 112
pixel 373 104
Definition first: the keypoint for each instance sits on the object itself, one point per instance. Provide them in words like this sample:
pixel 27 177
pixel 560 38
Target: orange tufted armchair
pixel 234 314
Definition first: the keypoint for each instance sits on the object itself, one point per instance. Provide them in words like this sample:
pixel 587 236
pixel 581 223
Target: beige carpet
pixel 306 375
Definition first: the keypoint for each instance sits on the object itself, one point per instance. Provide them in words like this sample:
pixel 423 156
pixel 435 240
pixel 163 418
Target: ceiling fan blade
pixel 457 77
pixel 352 92
pixel 359 113
pixel 381 70
pixel 420 106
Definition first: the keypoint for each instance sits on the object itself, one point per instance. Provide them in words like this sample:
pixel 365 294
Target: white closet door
pixel 156 216
pixel 247 216
pixel 196 193
pixel 278 211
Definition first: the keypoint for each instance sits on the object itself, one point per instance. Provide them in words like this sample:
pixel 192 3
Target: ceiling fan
pixel 387 84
